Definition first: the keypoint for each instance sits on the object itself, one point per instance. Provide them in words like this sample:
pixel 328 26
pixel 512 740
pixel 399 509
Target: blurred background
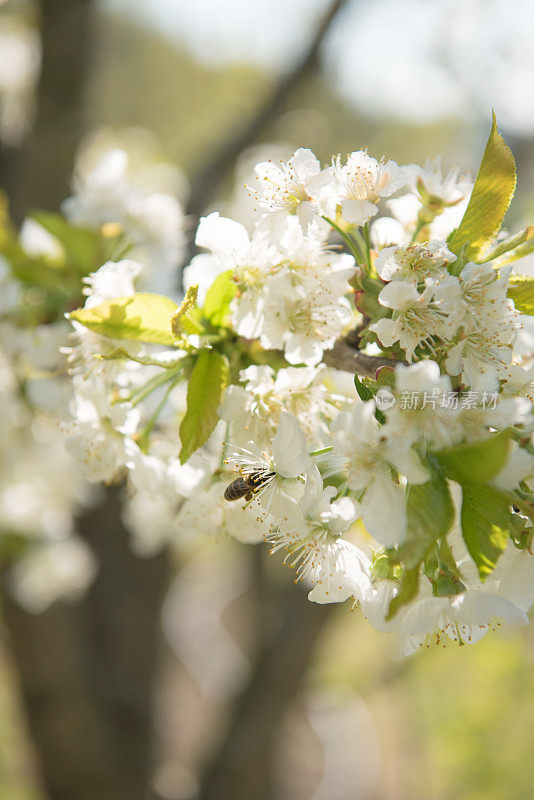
pixel 255 694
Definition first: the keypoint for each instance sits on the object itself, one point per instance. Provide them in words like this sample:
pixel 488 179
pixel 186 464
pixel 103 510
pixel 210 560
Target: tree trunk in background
pixel 87 670
pixel 37 174
pixel 289 625
pixel 121 626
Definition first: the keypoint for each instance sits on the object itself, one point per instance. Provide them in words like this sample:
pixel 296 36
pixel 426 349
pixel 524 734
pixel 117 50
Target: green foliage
pixel 486 522
pixel 407 592
pixel 456 267
pixel 478 462
pixel 208 381
pixel 367 298
pixel 52 286
pixel 142 317
pixel 51 283
pixel 492 193
pixel 430 514
pixel 81 246
pixel 364 391
pixel 385 376
pixel 521 291
pixel 218 299
pixel 511 248
pixel 187 318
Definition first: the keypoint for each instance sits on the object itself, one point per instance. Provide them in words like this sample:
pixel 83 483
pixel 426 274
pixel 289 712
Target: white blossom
pixel 98 433
pixel 369 457
pixel 207 513
pixel 283 475
pixel 437 202
pixel 423 412
pixel 153 222
pixel 302 314
pixel 288 188
pixel 464 618
pixel 489 326
pixel 313 538
pixel 414 262
pixel 253 409
pixel 358 185
pixel 418 317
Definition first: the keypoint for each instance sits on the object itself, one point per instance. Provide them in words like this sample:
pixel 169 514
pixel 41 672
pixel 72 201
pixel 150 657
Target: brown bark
pixel 37 174
pixel 243 767
pixel 86 670
pixel 343 356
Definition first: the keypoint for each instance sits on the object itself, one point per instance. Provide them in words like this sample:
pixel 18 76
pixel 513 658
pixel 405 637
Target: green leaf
pixel 456 267
pixel 142 317
pixel 486 523
pixel 207 383
pixel 364 392
pixel 511 248
pixel 521 251
pixel 430 514
pixel 521 291
pixel 385 376
pixel 475 463
pixel 366 300
pixel 80 244
pixel 218 299
pixel 492 193
pixel 407 592
pixel 187 318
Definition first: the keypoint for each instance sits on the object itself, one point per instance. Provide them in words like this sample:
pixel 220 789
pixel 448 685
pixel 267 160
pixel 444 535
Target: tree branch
pixel 206 183
pixel 343 356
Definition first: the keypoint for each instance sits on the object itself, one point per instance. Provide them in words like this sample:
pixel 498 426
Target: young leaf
pixel 521 251
pixel 206 385
pixel 486 523
pixel 364 392
pixel 187 316
pixel 492 193
pixel 80 244
pixel 507 249
pixel 408 590
pixel 218 299
pixel 521 291
pixel 430 514
pixel 385 376
pixel 475 463
pixel 142 317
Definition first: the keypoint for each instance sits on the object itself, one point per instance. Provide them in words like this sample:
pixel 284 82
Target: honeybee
pixel 246 486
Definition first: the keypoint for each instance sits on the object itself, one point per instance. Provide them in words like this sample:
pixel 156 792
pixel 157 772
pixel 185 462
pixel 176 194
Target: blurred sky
pixel 414 59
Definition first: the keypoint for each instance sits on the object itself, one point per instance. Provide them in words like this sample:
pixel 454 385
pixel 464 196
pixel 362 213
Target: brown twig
pixel 344 357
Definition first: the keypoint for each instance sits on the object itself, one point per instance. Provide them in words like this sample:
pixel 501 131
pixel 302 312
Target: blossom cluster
pixel 288 364
pixel 61 435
